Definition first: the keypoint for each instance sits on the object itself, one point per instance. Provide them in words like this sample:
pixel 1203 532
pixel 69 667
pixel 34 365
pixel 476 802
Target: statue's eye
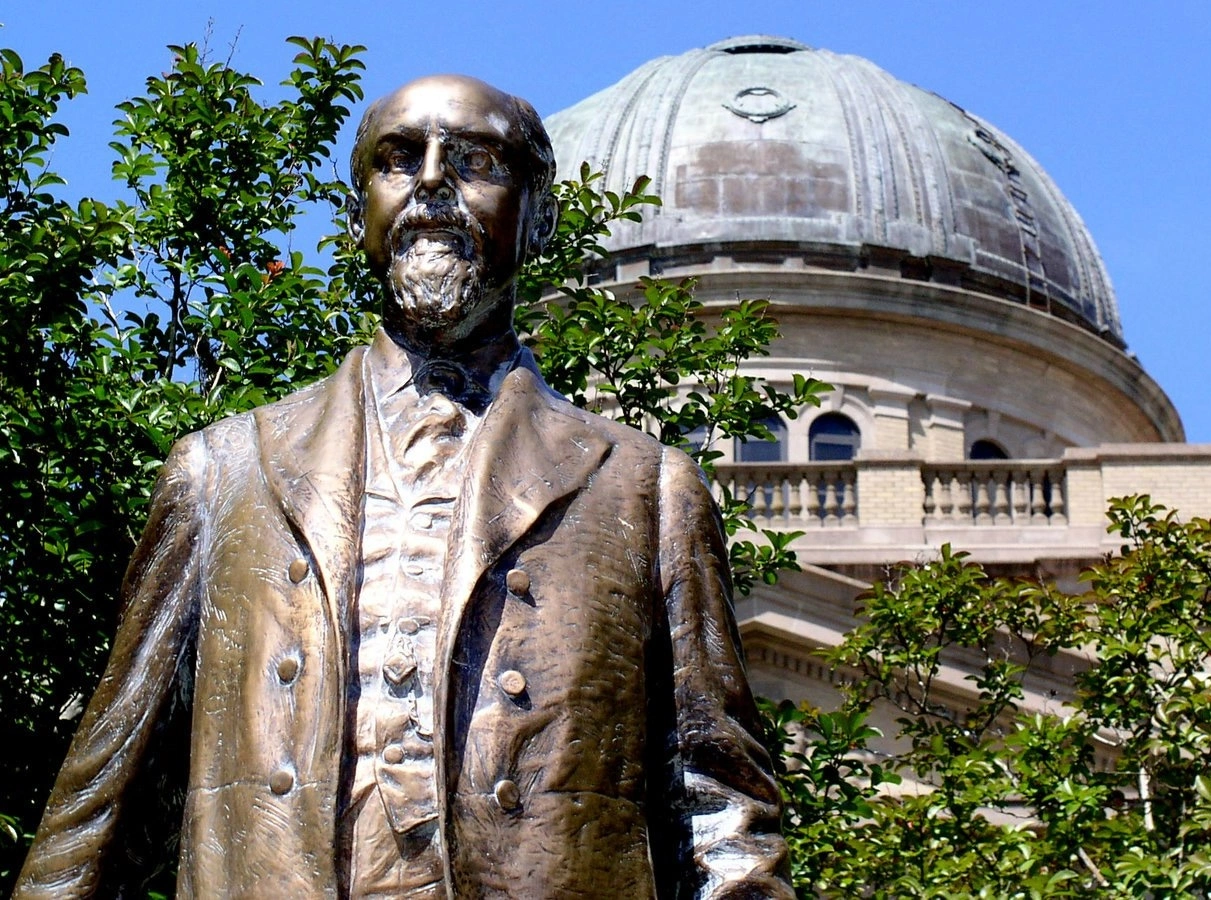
pixel 475 162
pixel 478 160
pixel 402 159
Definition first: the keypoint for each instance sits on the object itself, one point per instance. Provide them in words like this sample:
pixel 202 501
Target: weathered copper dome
pixel 761 145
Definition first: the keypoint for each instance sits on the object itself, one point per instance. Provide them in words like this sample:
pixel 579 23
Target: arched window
pixel 986 449
pixel 833 436
pixel 755 450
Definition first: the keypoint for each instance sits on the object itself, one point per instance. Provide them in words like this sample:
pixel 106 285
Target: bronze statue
pixel 435 631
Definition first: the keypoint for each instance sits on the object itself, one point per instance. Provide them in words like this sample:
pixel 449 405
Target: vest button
pixel 408 625
pixel 298 570
pixel 281 781
pixel 508 795
pixel 517 581
pixel 288 668
pixel 399 667
pixel 512 682
pixel 393 755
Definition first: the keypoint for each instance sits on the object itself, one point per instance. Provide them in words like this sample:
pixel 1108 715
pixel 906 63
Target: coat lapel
pixel 530 451
pixel 526 455
pixel 313 455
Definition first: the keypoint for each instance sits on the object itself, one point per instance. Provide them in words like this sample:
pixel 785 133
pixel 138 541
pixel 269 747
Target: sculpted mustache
pixel 423 217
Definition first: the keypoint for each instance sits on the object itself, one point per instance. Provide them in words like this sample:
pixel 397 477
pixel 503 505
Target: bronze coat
pixel 630 752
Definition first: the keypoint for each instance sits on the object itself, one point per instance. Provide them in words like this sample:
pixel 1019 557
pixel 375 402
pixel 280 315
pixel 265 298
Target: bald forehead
pixel 456 106
pixel 451 104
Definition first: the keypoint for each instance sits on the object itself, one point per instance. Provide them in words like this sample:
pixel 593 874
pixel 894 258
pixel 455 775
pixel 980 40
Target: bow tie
pixel 453 380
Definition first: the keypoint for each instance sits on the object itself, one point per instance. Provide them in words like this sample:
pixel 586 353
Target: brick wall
pixel 1176 475
pixel 890 490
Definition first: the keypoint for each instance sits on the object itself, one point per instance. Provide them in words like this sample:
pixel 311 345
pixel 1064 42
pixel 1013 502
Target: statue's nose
pixel 433 178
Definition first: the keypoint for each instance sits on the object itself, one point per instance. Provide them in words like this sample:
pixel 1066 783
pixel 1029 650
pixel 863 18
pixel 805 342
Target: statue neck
pixel 485 361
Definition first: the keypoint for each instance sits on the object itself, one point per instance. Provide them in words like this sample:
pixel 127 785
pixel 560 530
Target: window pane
pixel 832 437
pixel 827 451
pixel 984 449
pixel 696 438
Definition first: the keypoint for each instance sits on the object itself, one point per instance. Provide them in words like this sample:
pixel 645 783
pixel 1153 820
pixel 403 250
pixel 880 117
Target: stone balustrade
pixel 995 492
pixel 794 495
pixel 896 504
pixel 825 494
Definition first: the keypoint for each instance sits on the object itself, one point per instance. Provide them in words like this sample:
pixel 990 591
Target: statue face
pixel 446 207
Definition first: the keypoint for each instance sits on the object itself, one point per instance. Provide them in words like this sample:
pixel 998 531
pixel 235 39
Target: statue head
pixel 451 194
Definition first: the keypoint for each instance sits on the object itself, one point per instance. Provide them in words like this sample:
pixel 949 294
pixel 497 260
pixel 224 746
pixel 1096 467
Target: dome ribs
pixel 764 148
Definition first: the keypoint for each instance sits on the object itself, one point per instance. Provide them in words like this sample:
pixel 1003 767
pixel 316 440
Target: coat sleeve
pixel 724 801
pixel 83 844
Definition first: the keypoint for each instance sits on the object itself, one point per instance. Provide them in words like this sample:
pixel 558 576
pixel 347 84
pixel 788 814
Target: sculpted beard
pixel 436 275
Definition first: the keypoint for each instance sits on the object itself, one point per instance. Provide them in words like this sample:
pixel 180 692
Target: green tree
pixel 1136 828
pixel 49 251
pixel 130 324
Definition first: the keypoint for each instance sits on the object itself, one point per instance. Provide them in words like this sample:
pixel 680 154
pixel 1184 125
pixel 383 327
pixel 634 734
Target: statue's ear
pixel 542 224
pixel 354 223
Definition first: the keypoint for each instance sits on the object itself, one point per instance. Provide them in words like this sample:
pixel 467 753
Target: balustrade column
pixel 777 485
pixel 849 498
pixel 1059 515
pixel 946 509
pixel 978 491
pixel 760 498
pixel 812 515
pixel 831 507
pixel 795 485
pixel 1038 497
pixel 1022 489
pixel 1001 482
pixel 932 487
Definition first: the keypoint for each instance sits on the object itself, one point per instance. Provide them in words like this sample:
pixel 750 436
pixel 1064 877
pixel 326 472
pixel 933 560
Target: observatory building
pixel 919 260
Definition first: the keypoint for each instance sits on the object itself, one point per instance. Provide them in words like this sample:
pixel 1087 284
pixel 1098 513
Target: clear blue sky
pixel 1113 98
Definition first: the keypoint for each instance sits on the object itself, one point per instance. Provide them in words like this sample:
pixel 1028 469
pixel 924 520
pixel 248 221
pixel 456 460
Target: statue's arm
pixel 723 799
pixel 86 824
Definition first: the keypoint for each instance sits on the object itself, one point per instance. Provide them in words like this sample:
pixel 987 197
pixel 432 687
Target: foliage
pixel 1105 795
pixel 827 781
pixel 48 252
pixel 130 324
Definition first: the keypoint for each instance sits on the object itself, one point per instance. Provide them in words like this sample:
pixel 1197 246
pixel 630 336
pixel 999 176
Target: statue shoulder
pixel 290 413
pixel 343 385
pixel 619 434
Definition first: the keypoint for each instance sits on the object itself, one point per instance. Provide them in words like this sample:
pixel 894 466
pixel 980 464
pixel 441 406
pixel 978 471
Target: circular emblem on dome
pixel 759 104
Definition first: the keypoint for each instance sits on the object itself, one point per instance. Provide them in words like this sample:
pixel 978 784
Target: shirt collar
pixel 391 367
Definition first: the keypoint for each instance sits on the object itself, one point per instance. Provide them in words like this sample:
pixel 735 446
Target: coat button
pixel 298 570
pixel 517 581
pixel 393 755
pixel 288 668
pixel 281 781
pixel 512 682
pixel 508 795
